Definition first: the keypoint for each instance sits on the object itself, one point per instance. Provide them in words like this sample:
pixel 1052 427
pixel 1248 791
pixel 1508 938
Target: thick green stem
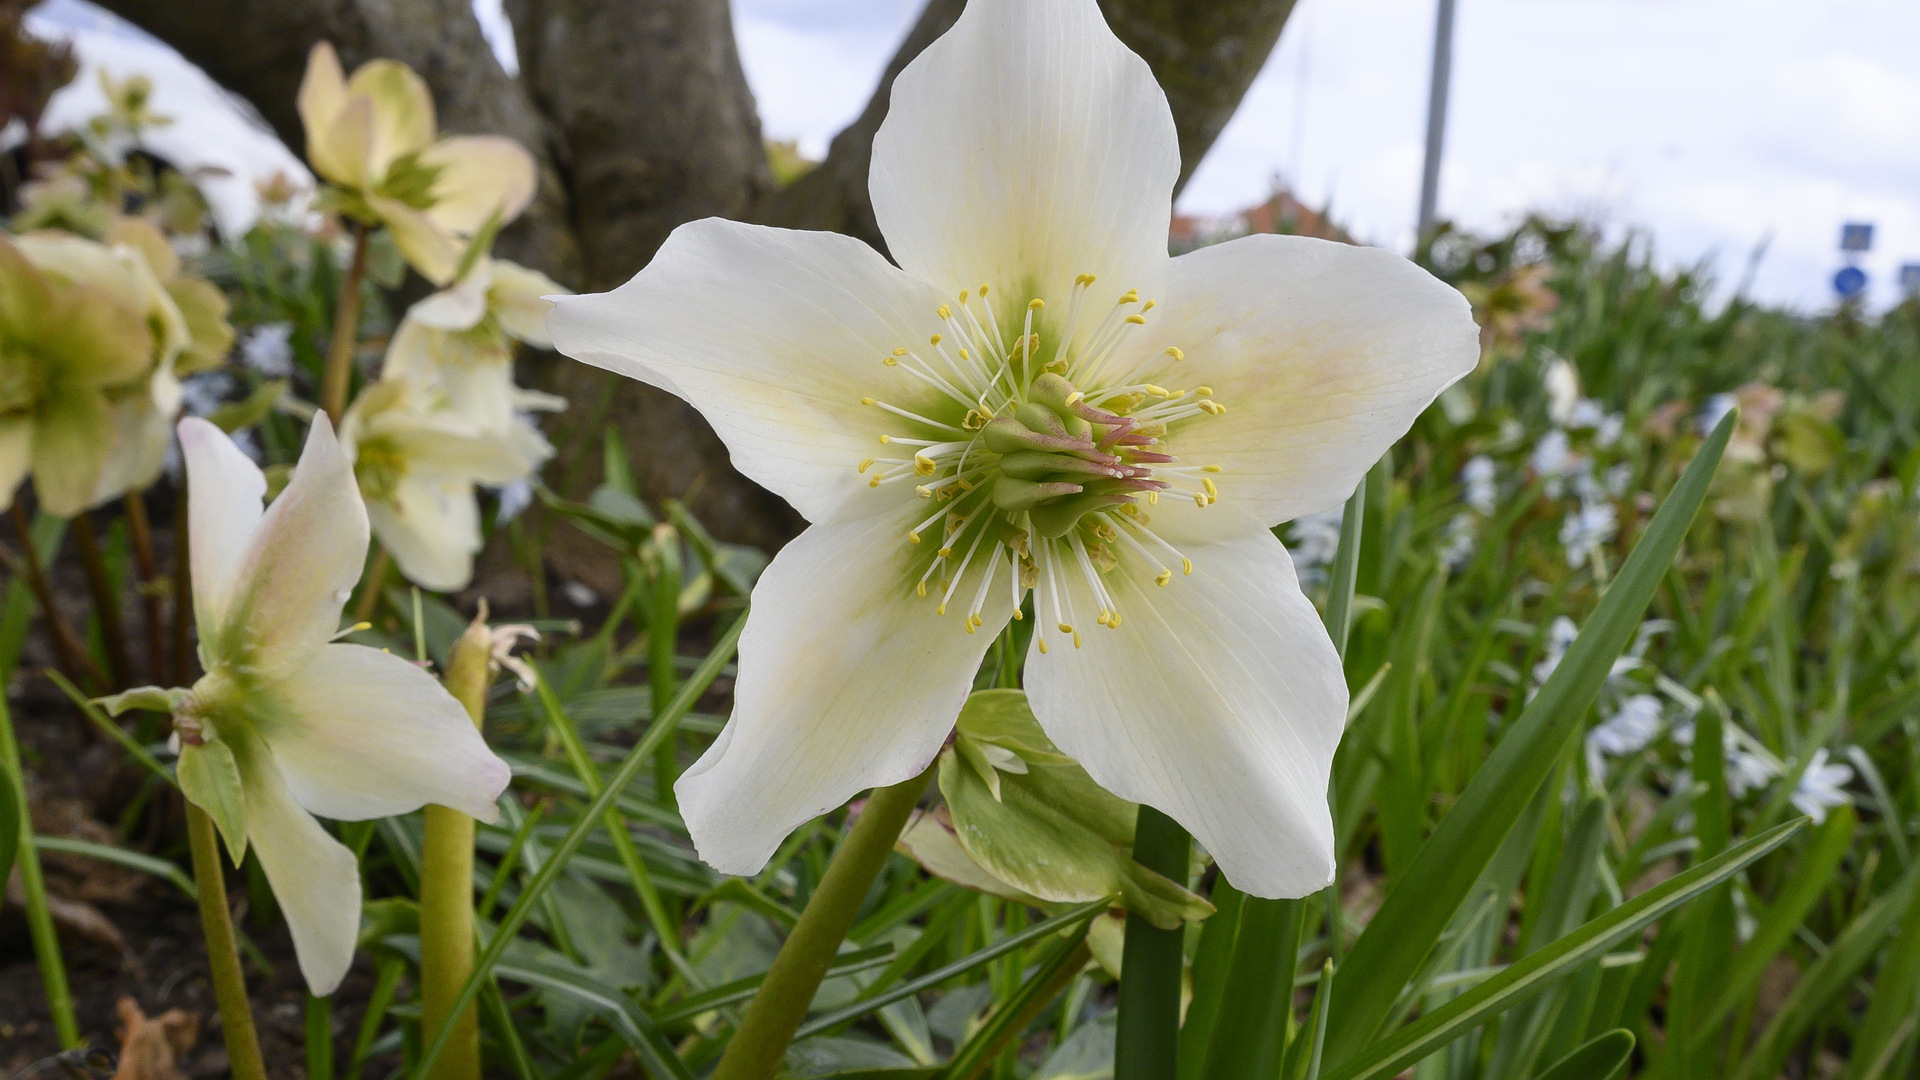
pixel 46 944
pixel 335 380
pixel 223 953
pixel 446 884
pixel 774 1015
pixel 319 1038
pixel 1147 1034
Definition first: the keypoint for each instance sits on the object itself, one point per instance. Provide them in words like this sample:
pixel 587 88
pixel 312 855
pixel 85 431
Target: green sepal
pixel 145 698
pixel 210 779
pixel 1049 831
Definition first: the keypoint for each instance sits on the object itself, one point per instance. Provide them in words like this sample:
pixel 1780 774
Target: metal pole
pixel 1436 117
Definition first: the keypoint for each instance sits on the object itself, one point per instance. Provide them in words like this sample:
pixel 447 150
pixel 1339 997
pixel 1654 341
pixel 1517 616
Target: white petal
pixel 1218 700
pixel 432 529
pixel 1322 353
pixel 303 561
pixel 519 300
pixel 1023 148
pixel 314 877
pixel 847 681
pixel 480 175
pixel 225 494
pixel 457 307
pixel 775 336
pixel 361 734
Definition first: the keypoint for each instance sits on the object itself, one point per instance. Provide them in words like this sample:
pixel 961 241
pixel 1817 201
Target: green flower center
pixel 1046 463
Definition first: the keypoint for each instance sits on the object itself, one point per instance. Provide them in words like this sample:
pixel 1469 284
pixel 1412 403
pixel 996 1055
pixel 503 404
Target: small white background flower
pixel 1023 180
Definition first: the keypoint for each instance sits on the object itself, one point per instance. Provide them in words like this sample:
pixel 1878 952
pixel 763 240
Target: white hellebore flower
pixel 1036 399
pixel 286 724
pixel 417 462
pixel 458 343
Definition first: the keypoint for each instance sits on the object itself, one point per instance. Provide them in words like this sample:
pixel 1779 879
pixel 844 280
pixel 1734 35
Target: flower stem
pixel 446 884
pixel 71 656
pixel 141 531
pixel 372 585
pixel 346 332
pixel 106 600
pixel 760 1043
pixel 46 944
pixel 223 955
pixel 1146 1039
pixel 319 1038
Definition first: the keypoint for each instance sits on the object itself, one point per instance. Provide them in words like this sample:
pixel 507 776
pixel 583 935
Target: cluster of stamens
pixel 1041 464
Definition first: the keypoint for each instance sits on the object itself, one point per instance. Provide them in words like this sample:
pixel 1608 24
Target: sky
pixel 1713 127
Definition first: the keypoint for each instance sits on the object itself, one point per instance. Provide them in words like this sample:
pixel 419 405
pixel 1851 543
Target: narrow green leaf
pixel 132 860
pixel 9 822
pixel 1896 1002
pixel 1066 957
pixel 1520 980
pixel 640 1030
pixel 1250 1036
pixel 847 963
pixel 1418 907
pixel 1600 1058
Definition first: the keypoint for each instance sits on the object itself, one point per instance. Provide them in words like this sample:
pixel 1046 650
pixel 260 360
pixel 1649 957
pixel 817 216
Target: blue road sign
pixel 1856 236
pixel 1850 282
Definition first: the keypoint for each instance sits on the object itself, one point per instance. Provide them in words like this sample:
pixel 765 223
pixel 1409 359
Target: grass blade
pixel 1601 1058
pixel 1417 909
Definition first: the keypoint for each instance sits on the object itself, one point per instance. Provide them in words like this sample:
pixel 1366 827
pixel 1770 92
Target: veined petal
pixel 479 174
pixel 301 565
pixel 361 733
pixel 314 877
pixel 69 451
pixel 518 298
pixel 431 527
pixel 402 112
pixel 323 96
pixel 775 336
pixel 1323 354
pixel 1025 147
pixel 1218 700
pixel 225 499
pixel 847 681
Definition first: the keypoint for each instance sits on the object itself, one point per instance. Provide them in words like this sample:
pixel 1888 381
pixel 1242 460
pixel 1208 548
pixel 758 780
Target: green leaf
pixel 1519 981
pixel 1896 1002
pixel 1600 1058
pixel 1421 903
pixel 625 1015
pixel 132 860
pixel 1066 957
pixel 9 821
pixel 210 779
pixel 1049 831
pixel 250 410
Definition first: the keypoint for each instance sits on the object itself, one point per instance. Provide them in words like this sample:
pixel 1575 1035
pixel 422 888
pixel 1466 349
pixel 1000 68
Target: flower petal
pixel 315 878
pixel 69 452
pixel 402 112
pixel 479 174
pixel 1218 700
pixel 301 565
pixel 775 336
pixel 226 493
pixel 422 242
pixel 431 527
pixel 361 733
pixel 519 301
pixel 1023 148
pixel 16 455
pixel 1322 353
pixel 323 96
pixel 847 681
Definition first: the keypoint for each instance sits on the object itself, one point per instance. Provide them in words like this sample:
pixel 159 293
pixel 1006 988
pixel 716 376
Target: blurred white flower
pixel 1563 391
pixel 1058 435
pixel 1588 529
pixel 1460 541
pixel 1628 731
pixel 1313 540
pixel 1554 460
pixel 1821 785
pixel 1560 635
pixel 1478 476
pixel 286 723
pixel 268 349
pixel 1715 410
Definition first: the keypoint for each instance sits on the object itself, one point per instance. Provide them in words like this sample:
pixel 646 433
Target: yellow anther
pixel 1066 628
pixel 944 312
pixel 1148 306
pixel 913 536
pixel 1076 639
pixel 963 354
pixel 1043 646
pixel 885 439
pixel 889 361
pixel 1207 482
pixel 1036 304
pixel 934 340
pixel 946 553
pixel 1153 498
pixel 1210 468
pixel 1017 617
pixel 1131 297
pixel 900 350
pixel 1160 580
pixel 1114 623
pixel 1200 499
pixel 866 401
pixel 1186 566
pixel 1157 391
pixel 942 609
pixel 963 297
pixel 924 466
pixel 1102 620
pixel 923 491
pixel 983 290
pixel 969 625
pixel 866 464
pixel 1075 398
pixel 1137 320
pixel 875 482
pixel 1175 352
pixel 1203 391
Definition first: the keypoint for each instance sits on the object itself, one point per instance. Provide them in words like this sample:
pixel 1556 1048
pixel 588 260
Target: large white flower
pixel 1036 399
pixel 286 724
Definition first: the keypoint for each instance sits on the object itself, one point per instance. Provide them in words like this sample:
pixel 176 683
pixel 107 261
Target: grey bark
pixel 640 119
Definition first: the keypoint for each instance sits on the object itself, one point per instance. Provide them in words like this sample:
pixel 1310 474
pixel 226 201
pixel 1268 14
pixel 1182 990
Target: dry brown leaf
pixel 150 1046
